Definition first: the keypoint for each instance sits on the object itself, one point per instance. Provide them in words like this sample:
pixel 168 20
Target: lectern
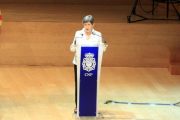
pixel 89 59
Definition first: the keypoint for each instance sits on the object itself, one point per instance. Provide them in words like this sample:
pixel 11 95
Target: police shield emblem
pixel 89 62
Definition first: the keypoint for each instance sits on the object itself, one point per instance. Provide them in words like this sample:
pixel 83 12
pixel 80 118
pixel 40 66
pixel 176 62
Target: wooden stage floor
pixel 47 93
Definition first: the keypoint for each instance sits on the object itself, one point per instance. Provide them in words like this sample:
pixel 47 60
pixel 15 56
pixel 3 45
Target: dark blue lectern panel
pixel 88 81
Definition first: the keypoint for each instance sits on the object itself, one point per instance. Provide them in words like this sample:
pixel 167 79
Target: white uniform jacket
pixel 80 38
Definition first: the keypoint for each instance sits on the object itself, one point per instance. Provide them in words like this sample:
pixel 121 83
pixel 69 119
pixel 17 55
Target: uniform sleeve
pixel 72 47
pixel 100 38
pixel 100 41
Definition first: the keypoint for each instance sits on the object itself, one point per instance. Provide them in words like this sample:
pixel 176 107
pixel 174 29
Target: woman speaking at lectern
pixel 85 36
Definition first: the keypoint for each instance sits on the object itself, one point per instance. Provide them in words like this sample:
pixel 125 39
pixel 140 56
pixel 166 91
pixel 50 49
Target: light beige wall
pixel 47 43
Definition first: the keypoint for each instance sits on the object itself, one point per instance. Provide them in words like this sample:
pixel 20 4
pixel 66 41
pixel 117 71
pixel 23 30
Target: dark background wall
pixel 76 2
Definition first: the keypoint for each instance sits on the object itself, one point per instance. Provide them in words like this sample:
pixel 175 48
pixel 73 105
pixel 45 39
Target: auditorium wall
pixel 41 34
pixel 48 43
pixel 76 2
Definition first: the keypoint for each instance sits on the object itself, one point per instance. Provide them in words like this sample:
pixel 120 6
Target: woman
pixel 85 36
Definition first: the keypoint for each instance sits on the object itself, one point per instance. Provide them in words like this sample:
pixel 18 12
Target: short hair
pixel 88 18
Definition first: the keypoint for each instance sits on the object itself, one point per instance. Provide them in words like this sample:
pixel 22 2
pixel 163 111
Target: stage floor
pixel 47 93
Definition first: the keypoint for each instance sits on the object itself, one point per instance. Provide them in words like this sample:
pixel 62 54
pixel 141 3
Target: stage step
pixel 174 66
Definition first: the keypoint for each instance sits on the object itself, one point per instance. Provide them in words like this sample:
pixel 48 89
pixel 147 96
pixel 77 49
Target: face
pixel 88 27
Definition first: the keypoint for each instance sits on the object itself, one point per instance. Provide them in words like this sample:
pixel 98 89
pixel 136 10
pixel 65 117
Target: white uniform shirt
pixel 80 38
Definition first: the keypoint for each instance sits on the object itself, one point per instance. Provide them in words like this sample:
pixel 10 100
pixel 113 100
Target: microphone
pixel 78 37
pixel 100 36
